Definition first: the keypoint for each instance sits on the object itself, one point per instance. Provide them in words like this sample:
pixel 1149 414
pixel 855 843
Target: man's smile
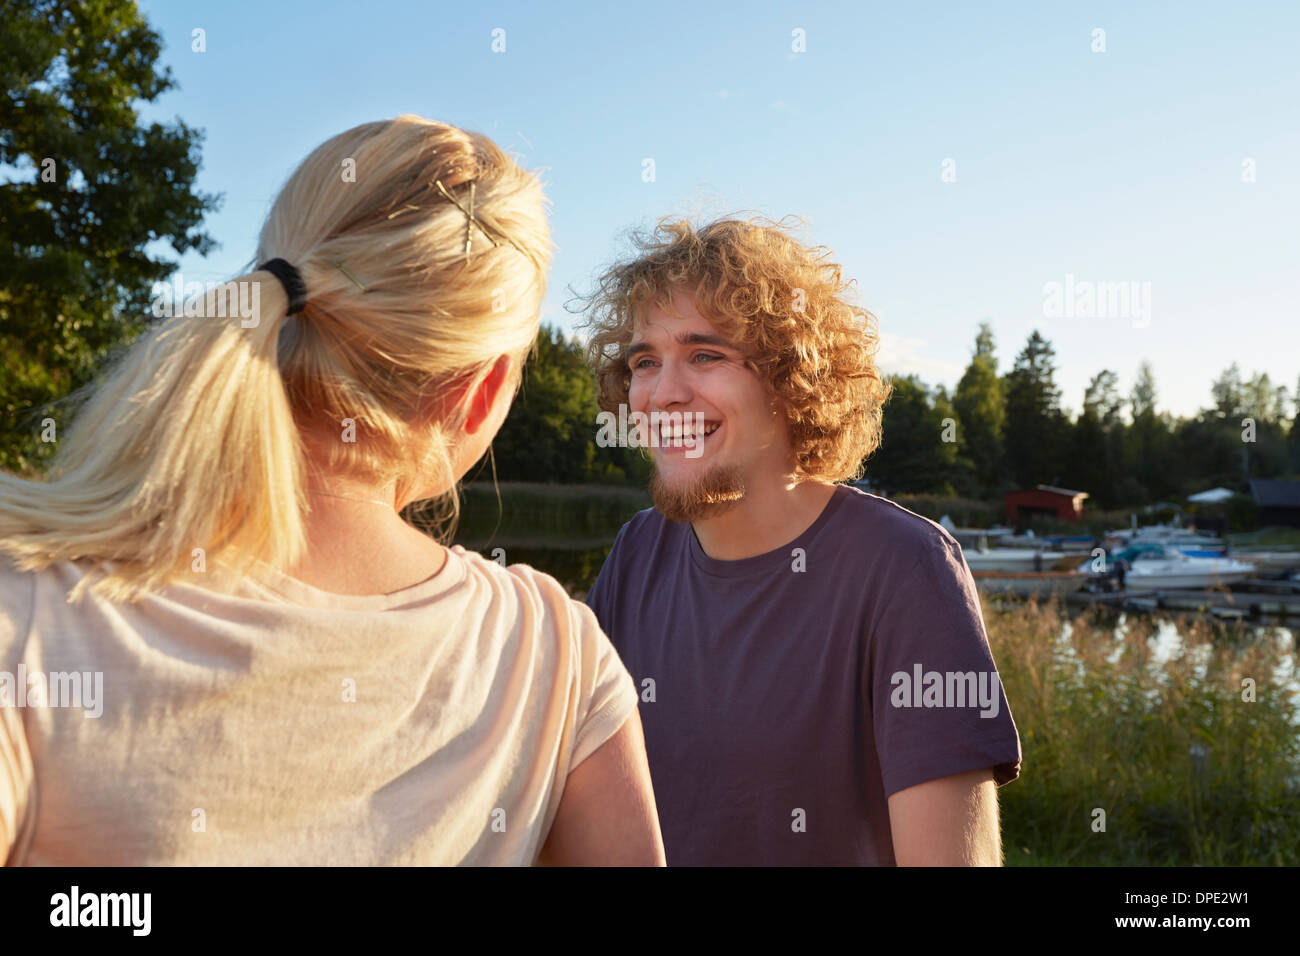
pixel 677 435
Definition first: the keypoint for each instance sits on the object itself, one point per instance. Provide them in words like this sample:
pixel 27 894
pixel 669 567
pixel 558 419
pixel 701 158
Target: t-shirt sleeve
pixel 16 597
pixel 603 593
pixel 607 692
pixel 937 702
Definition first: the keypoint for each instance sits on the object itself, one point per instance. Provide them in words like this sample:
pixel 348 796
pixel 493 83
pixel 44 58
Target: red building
pixel 1060 503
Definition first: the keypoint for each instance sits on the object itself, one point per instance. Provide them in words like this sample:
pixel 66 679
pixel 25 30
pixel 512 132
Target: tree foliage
pixel 88 188
pixel 550 433
pixel 1035 425
pixel 913 455
pixel 980 407
pixel 1121 460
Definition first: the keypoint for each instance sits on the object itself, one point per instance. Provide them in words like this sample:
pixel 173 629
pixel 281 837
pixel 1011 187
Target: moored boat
pixel 1041 584
pixel 1189 541
pixel 1269 560
pixel 1154 566
pixel 1010 559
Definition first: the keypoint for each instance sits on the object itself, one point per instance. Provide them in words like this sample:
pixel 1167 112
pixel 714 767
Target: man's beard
pixel 705 495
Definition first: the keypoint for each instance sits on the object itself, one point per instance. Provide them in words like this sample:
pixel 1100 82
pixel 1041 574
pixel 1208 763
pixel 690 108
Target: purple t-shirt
pixel 785 696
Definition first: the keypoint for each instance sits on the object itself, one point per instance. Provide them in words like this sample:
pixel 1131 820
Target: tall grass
pixel 1186 771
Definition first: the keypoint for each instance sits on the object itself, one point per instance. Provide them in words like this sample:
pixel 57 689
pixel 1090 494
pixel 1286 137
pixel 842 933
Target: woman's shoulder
pixel 522 580
pixel 537 599
pixel 17 600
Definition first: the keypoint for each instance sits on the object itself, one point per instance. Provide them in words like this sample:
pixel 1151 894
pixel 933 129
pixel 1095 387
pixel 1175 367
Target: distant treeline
pixel 993 433
pixel 1009 431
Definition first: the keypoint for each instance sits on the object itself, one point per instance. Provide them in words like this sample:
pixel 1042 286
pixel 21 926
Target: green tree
pixel 550 433
pixel 1036 428
pixel 1143 399
pixel 1102 398
pixel 1096 441
pixel 1226 390
pixel 1293 437
pixel 913 455
pixel 1150 442
pixel 1265 405
pixel 1243 434
pixel 1209 452
pixel 1262 400
pixel 978 402
pixel 88 188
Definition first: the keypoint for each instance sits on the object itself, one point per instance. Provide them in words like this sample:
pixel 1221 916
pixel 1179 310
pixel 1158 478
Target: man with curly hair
pixel 816 682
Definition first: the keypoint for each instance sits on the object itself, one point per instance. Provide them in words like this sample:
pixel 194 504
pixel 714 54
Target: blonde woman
pixel 220 642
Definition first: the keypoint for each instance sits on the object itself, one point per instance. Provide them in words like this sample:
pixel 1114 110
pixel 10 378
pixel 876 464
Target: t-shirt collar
pixel 774 560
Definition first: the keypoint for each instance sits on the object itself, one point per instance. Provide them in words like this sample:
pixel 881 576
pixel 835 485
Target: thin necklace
pixel 371 501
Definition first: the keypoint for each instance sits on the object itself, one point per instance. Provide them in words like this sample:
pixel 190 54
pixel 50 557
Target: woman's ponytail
pixel 184 452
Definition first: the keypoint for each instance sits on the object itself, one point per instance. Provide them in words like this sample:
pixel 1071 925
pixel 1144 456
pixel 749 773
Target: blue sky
pixel 1122 166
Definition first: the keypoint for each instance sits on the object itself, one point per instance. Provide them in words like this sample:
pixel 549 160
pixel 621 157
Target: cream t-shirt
pixel 285 725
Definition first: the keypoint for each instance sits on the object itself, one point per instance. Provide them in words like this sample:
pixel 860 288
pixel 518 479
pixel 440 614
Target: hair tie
pixel 292 281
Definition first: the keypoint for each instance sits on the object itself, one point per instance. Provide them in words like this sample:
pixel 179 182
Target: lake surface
pixel 565 531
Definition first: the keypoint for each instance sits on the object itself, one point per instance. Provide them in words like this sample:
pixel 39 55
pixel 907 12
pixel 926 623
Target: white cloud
pixel 901 355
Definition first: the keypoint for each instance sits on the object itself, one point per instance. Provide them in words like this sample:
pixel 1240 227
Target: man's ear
pixel 483 396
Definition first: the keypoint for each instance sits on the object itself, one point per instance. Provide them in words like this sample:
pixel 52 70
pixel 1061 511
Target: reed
pixel 1185 768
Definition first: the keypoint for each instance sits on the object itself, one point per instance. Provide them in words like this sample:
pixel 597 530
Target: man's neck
pixel 769 517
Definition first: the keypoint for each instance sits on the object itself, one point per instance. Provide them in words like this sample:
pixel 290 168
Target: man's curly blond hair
pixel 783 302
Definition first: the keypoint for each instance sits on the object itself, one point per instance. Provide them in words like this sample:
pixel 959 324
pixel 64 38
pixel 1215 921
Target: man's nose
pixel 671 386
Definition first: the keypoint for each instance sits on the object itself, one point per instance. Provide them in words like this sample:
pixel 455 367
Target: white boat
pixel 1269 560
pixel 1055 542
pixel 971 538
pixel 1029 584
pixel 1010 559
pixel 1183 539
pixel 1153 566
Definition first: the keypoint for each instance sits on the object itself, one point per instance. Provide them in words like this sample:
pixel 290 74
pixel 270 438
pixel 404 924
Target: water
pixel 1167 643
pixel 565 531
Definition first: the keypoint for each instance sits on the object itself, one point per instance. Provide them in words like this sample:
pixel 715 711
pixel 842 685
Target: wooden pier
pixel 1249 600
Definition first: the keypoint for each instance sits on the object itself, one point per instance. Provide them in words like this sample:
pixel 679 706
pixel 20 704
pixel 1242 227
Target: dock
pixel 1249 600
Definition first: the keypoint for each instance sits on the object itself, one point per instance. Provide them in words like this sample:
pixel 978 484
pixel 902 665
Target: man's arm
pixel 952 821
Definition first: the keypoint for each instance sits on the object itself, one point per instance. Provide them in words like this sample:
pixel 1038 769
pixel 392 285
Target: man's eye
pixel 707 355
pixel 640 363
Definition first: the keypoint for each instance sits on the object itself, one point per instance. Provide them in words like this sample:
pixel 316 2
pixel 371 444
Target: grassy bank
pixel 1185 770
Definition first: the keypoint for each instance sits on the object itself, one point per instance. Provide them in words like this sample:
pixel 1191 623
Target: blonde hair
pixel 786 302
pixel 197 436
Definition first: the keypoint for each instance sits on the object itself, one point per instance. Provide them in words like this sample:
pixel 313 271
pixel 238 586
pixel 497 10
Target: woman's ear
pixel 465 403
pixel 485 394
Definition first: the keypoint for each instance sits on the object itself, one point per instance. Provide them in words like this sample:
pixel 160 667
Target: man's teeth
pixel 675 434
